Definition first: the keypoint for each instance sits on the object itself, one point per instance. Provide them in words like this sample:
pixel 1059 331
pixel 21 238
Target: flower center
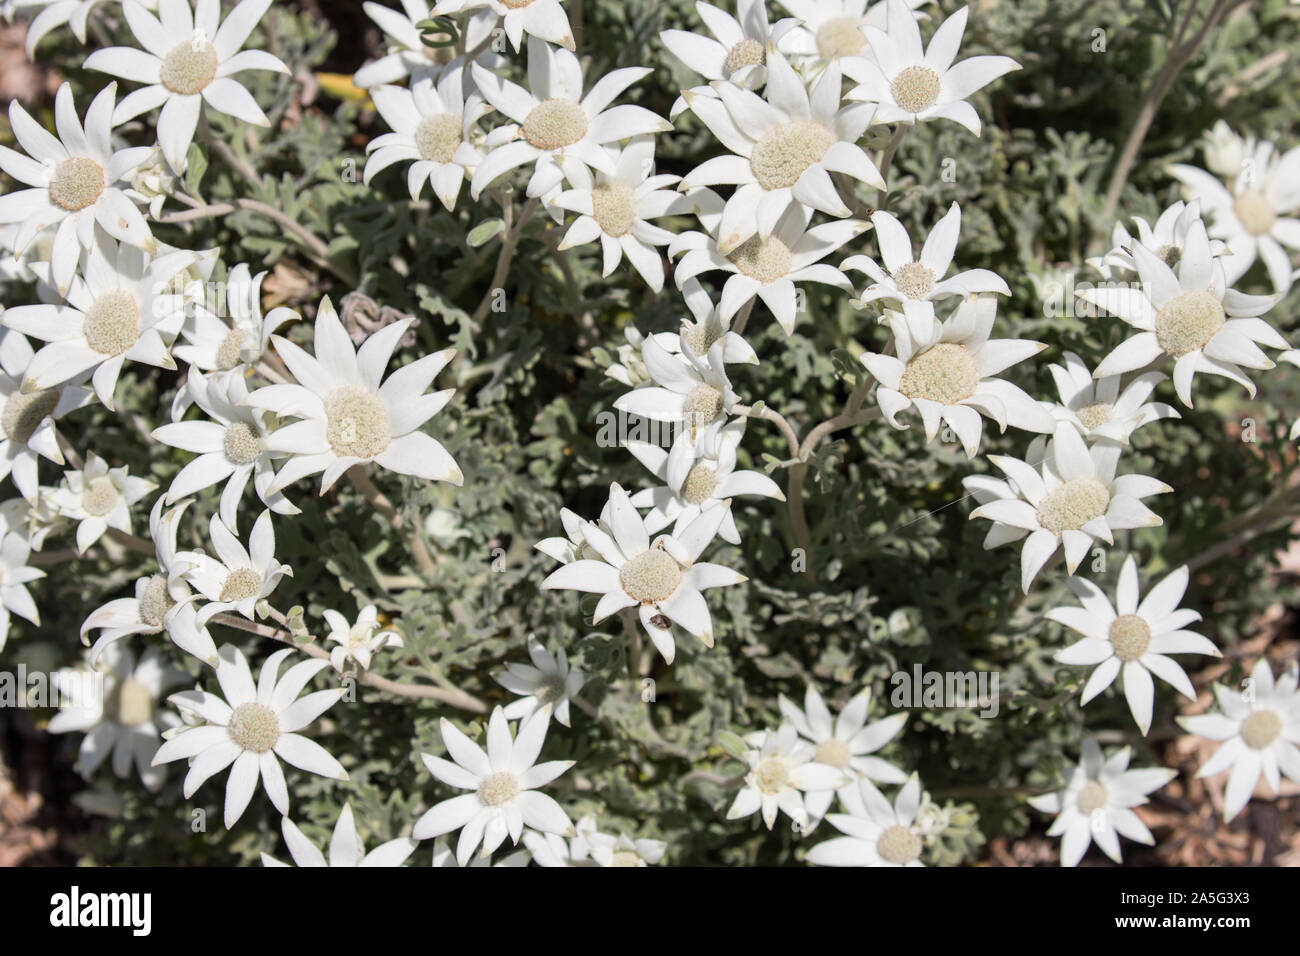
pixel 771 775
pixel 1130 636
pixel 549 690
pixel 945 373
pixel 155 601
pixel 1170 255
pixel 554 124
pixel 765 258
pixel 915 280
pixel 898 845
pixel 1261 728
pixel 747 52
pixel 625 857
pixel 1094 415
pixel 130 703
pixel 189 67
pixel 438 137
pixel 356 422
pixel 841 36
pixel 112 325
pixel 242 443
pixel 23 413
pixel 100 496
pixel 228 351
pixel 515 4
pixel 781 155
pixel 1073 505
pixel 240 585
pixel 1092 797
pixel 699 337
pixel 254 727
pixel 498 788
pixel 1188 322
pixel 76 183
pixel 1255 212
pixel 833 752
pixel 650 577
pixel 701 481
pixel 704 405
pixel 614 207
pixel 915 88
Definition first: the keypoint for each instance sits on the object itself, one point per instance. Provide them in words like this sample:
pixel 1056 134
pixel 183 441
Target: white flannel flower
pixel 1260 730
pixel 557 125
pixel 663 579
pixel 1166 239
pixel 629 370
pixel 622 850
pixel 1225 151
pixel 787 143
pixel 1189 315
pixel 1071 500
pixel 696 484
pixel 738 53
pixel 914 84
pixel 548 682
pixel 1098 407
pixel 781 772
pixel 615 208
pixel 346 848
pixel 14 576
pixel 875 833
pixel 553 850
pixel 349 413
pixel 241 335
pixel 1097 804
pixel 237 578
pixel 699 333
pixel 252 730
pixel 432 124
pixel 949 375
pixel 189 57
pixel 691 391
pixel 98 498
pixel 1256 213
pixel 1132 637
pixel 406 54
pixel 230 444
pixel 573 545
pixel 845 742
pixel 77 182
pixel 152 183
pixel 360 641
pixel 830 30
pixel 504 781
pixel 543 19
pixel 124 720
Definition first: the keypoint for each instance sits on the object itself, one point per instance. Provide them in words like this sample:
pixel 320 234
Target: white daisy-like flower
pixel 845 742
pixel 189 57
pixel 787 143
pixel 543 19
pixel 914 84
pixel 629 370
pixel 615 208
pixel 738 53
pixel 573 545
pixel 504 782
pixel 55 13
pixel 76 182
pixel 1225 151
pixel 238 577
pixel 1260 730
pixel 663 579
pixel 875 833
pixel 125 720
pixel 15 575
pixel 252 730
pixel 98 498
pixel 122 306
pixel 553 850
pixel 358 642
pixel 1255 214
pixel 781 771
pixel 1071 500
pixel 1166 239
pixel 1099 408
pixel 407 55
pixel 433 125
pixel 765 266
pixel 349 413
pixel 1189 315
pixel 230 444
pixel 705 327
pixel 1133 637
pixel 698 483
pixel 152 183
pixel 622 850
pixel 27 419
pixel 949 375
pixel 346 848
pixel 240 335
pixel 830 30
pixel 691 391
pixel 548 682
pixel 1097 803
pixel 911 281
pixel 557 125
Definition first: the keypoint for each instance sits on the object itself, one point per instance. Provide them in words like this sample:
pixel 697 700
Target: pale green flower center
pixel 356 422
pixel 945 373
pixel 240 585
pixel 1073 505
pixel 254 728
pixel 701 481
pixel 614 207
pixel 833 752
pixel 1170 255
pixel 77 183
pixel 1261 728
pixel 438 137
pixel 699 337
pixel 516 4
pixel 765 258
pixel 228 351
pixel 498 788
pixel 747 52
pixel 650 577
pixel 129 703
pixel 155 601
pixel 898 845
pixel 771 775
pixel 23 413
pixel 624 858
pixel 1188 321
pixel 841 36
pixel 915 88
pixel 554 124
pixel 781 155
pixel 550 689
pixel 915 280
pixel 100 496
pixel 1255 212
pixel 189 67
pixel 1094 415
pixel 1130 636
pixel 112 325
pixel 704 405
pixel 242 443
pixel 1092 797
